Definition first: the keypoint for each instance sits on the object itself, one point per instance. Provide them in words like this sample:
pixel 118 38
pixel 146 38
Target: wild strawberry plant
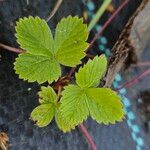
pixel 41 61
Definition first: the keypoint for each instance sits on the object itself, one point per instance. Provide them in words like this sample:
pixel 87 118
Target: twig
pixel 59 93
pixel 141 64
pixel 56 7
pixel 12 49
pixel 90 56
pixel 107 23
pixel 88 136
pixel 134 80
pixel 98 14
pixel 71 72
pixel 27 2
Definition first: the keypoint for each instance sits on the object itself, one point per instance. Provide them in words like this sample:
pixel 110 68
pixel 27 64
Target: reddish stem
pixel 71 72
pixel 141 64
pixel 135 80
pixel 88 136
pixel 12 49
pixel 107 23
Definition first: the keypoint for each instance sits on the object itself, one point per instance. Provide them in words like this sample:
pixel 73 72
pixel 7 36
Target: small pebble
pixel 136 129
pixel 98 27
pixel 108 52
pixel 138 147
pixel 29 89
pixel 140 141
pixel 115 84
pixel 140 100
pixel 134 136
pixel 91 6
pixel 103 40
pixel 131 115
pixel 90 14
pixel 123 91
pixel 118 77
pixel 102 48
pixel 129 123
pixel 126 102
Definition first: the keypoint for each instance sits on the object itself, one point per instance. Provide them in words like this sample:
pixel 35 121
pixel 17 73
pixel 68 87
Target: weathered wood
pixel 140 32
pixel 122 49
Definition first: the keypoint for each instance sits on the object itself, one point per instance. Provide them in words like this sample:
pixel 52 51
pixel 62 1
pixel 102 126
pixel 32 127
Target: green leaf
pixel 104 105
pixel 40 62
pixel 70 38
pixel 61 122
pixel 37 68
pixel 47 95
pixel 73 105
pixel 43 114
pixel 34 36
pixel 92 72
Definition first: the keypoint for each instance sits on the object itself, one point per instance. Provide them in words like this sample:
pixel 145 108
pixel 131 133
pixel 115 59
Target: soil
pixel 18 98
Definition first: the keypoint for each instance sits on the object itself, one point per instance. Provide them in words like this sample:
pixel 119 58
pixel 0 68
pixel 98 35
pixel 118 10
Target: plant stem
pixel 27 2
pixel 107 23
pixel 59 93
pixel 134 80
pixel 88 136
pixel 12 49
pixel 141 64
pixel 71 72
pixel 56 7
pixel 99 13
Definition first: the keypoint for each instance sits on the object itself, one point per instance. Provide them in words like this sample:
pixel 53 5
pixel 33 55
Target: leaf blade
pixel 47 95
pixel 37 68
pixel 73 105
pixel 43 114
pixel 34 35
pixel 105 105
pixel 92 72
pixel 61 123
pixel 70 38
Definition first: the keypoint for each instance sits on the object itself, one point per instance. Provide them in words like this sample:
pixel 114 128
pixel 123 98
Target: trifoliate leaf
pixel 34 36
pixel 104 105
pixel 70 38
pixel 92 72
pixel 43 114
pixel 42 53
pixel 37 68
pixel 73 105
pixel 47 95
pixel 61 122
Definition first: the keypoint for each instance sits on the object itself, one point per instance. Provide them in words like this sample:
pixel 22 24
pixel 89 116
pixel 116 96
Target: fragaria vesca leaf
pixel 78 101
pixel 37 68
pixel 70 38
pixel 48 109
pixel 47 95
pixel 43 114
pixel 61 122
pixel 92 72
pixel 43 54
pixel 34 36
pixel 104 105
pixel 73 105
